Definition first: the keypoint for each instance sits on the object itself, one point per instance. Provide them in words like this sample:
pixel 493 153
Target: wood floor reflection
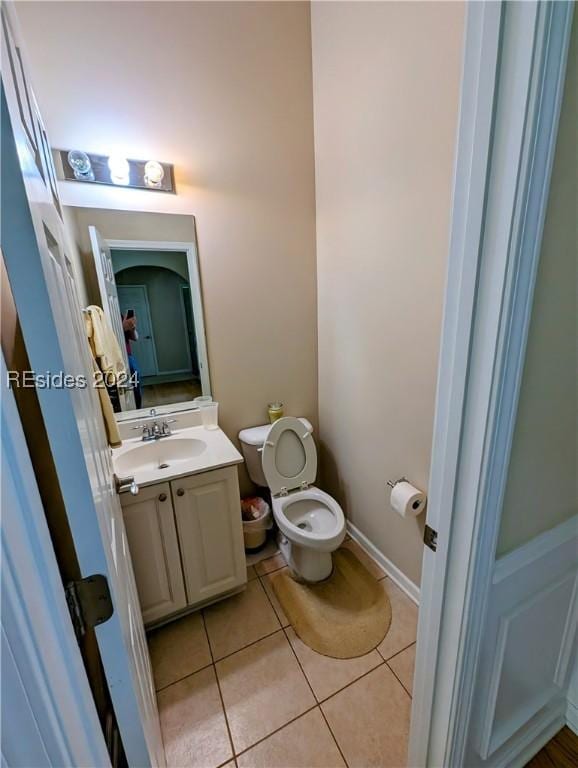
pixel 170 392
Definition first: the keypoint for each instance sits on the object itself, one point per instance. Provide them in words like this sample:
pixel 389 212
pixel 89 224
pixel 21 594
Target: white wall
pixel 542 488
pixel 222 90
pixel 386 87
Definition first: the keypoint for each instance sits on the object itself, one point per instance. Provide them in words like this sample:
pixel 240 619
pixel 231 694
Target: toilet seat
pixel 289 456
pixel 310 518
pixel 311 522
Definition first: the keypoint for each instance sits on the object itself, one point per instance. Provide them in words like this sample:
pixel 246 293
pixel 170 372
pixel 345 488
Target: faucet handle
pixel 165 429
pixel 145 429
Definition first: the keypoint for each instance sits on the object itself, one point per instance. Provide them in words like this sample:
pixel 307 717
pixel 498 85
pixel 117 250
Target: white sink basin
pixel 186 452
pixel 161 454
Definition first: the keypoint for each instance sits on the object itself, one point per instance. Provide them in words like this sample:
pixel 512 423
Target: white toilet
pixel 283 457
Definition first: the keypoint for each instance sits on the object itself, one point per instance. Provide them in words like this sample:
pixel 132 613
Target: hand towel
pixel 110 424
pixel 104 344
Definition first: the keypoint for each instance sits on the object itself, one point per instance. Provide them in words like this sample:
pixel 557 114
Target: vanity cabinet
pixel 186 541
pixel 152 540
pixel 208 515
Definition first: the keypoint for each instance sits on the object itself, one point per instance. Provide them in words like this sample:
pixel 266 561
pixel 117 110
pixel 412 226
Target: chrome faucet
pixel 154 430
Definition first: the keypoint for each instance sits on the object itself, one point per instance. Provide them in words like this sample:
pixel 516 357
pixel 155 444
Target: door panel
pixel 208 517
pixel 136 297
pixel 152 537
pixel 42 285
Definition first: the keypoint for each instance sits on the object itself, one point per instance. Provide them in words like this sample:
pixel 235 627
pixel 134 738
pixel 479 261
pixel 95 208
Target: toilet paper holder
pixel 393 483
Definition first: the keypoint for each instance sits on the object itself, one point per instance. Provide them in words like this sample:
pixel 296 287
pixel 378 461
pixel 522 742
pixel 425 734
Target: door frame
pixel 150 322
pixel 43 676
pixel 190 249
pixel 515 57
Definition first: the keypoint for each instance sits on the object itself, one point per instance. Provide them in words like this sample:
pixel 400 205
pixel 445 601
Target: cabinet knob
pixel 180 492
pixel 163 497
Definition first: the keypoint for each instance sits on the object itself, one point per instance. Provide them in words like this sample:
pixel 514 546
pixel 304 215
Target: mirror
pixel 142 270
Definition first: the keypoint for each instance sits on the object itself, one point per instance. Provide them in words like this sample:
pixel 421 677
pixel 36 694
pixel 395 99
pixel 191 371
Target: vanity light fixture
pixel 114 170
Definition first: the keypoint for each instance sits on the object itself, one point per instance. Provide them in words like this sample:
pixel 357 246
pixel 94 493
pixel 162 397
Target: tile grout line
pixel 318 703
pixel 397 653
pixel 315 697
pixel 399 681
pixel 269 599
pixel 326 721
pixel 267 573
pixel 222 765
pixel 270 634
pixel 339 690
pixel 184 677
pixel 282 628
pixel 221 658
pixel 253 642
pixel 357 679
pixel 280 728
pixel 219 689
pixel 413 642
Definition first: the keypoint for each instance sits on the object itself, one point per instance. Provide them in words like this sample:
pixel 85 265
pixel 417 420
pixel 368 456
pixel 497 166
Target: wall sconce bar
pixel 115 171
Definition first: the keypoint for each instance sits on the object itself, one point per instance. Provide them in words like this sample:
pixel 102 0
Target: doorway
pixel 136 298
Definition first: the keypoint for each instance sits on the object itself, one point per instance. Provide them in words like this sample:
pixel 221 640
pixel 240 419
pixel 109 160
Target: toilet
pixel 282 456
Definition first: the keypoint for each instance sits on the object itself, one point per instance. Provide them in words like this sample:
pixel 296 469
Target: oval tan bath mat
pixel 346 615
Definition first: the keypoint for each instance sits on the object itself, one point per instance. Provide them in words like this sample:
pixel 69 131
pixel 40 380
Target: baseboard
pixel 397 576
pixel 572 717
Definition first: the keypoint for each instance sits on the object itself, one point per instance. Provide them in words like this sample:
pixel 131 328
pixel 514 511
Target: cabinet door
pixel 152 539
pixel 208 513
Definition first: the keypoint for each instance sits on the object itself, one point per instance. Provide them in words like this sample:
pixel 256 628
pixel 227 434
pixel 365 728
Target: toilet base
pixel 306 564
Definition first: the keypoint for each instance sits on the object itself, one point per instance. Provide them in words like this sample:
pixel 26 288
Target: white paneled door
pixel 43 287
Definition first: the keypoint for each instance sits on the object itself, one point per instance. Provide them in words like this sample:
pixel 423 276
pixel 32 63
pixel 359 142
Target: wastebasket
pixel 256 515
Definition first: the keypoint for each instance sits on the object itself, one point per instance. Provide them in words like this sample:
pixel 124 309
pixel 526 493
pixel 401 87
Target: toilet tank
pixel 251 440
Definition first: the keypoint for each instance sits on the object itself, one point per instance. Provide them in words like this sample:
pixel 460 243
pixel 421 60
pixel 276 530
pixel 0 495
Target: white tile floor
pixel 237 687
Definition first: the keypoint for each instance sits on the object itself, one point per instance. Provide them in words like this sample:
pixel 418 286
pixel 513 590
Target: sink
pixel 161 454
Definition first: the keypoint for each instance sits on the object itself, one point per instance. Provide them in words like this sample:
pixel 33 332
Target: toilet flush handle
pixel 267 442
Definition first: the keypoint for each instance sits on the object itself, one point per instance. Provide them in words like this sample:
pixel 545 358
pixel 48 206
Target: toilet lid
pixel 289 456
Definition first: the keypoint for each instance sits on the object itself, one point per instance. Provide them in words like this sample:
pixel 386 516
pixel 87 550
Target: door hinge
pixel 89 603
pixel 430 538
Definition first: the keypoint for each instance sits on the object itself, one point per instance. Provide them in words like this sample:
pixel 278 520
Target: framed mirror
pixel 142 269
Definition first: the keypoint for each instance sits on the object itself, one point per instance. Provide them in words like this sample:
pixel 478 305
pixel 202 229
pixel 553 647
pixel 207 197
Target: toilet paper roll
pixel 407 500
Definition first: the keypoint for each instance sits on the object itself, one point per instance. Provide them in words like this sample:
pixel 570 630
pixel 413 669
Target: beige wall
pixel 225 93
pixel 386 88
pixel 542 486
pixel 82 267
pixel 119 225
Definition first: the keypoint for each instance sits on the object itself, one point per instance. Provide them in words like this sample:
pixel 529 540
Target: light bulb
pixel 119 169
pixel 80 163
pixel 154 173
